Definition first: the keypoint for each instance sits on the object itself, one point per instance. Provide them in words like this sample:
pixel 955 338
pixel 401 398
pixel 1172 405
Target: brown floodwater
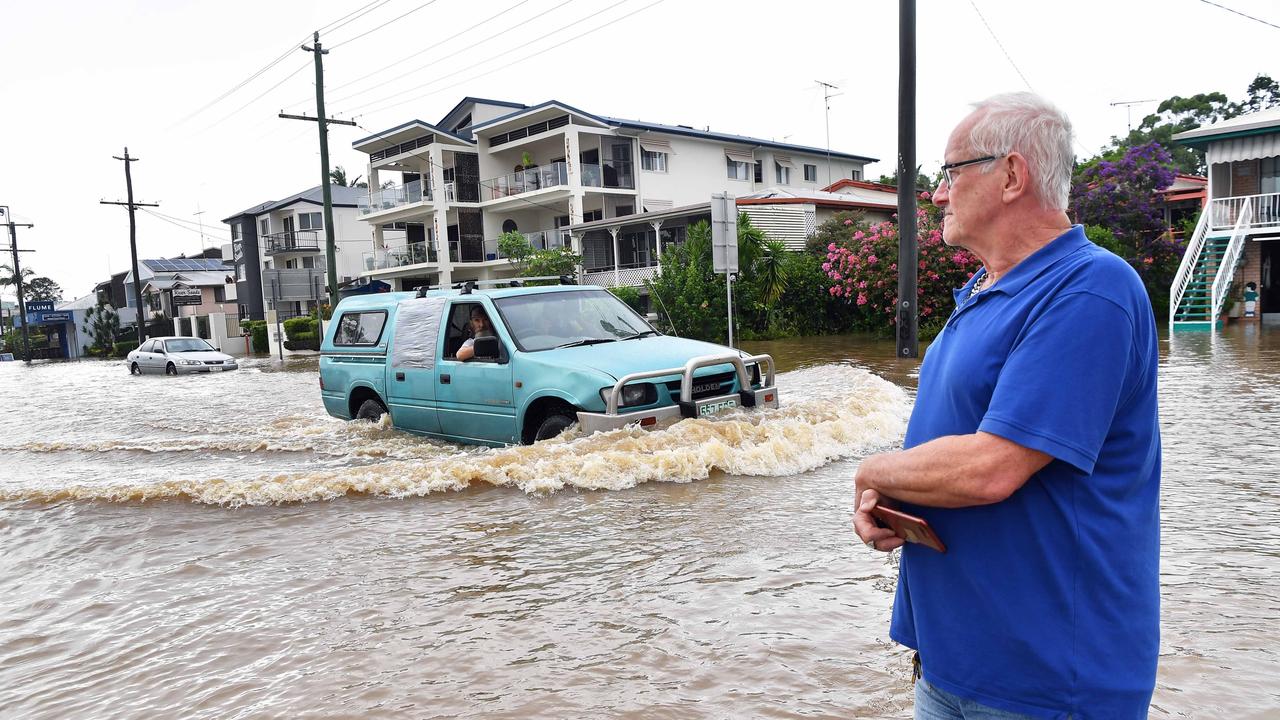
pixel 217 547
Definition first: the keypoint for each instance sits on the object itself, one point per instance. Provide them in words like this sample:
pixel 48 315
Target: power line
pixel 273 63
pixel 394 19
pixel 517 26
pixel 416 53
pixel 358 12
pixel 175 223
pixel 1001 46
pixel 556 46
pixel 1237 12
pixel 264 93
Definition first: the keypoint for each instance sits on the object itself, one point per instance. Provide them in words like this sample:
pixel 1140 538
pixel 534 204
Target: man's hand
pixel 864 523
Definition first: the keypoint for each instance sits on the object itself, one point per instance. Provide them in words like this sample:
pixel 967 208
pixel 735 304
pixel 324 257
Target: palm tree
pixel 338 176
pixel 8 278
pixel 771 272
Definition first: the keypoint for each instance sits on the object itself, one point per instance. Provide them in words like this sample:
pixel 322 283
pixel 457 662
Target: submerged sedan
pixel 178 356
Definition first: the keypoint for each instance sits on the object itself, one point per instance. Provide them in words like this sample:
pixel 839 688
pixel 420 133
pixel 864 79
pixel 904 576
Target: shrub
pixel 258 331
pixel 302 341
pixel 630 296
pixel 864 269
pixel 305 324
pixel 121 349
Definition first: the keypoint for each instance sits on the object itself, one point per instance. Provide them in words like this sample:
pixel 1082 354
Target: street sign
pixel 55 317
pixel 724 233
pixel 186 296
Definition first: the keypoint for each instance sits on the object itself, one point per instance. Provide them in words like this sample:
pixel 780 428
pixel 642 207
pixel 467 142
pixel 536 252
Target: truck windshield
pixel 555 319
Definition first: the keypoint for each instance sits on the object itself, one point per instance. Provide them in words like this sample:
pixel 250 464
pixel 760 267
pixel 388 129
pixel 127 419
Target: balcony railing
pixel 1265 210
pixel 394 256
pixel 292 241
pixel 610 174
pixel 395 196
pixel 623 276
pixel 524 181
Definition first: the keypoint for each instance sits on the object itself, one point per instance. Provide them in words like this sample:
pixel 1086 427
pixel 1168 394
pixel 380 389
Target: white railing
pixel 394 196
pixel 1264 210
pixel 1190 256
pixel 621 277
pixel 1227 268
pixel 449 193
pixel 393 256
pixel 524 181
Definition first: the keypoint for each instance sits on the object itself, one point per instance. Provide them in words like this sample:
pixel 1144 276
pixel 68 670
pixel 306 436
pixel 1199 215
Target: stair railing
pixel 1195 245
pixel 1227 270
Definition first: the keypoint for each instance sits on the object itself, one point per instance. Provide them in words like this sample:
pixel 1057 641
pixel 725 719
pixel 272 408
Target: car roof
pixel 379 301
pixel 174 337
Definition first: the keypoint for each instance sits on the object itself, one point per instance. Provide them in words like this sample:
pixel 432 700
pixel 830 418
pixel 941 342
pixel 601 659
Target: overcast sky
pixel 80 80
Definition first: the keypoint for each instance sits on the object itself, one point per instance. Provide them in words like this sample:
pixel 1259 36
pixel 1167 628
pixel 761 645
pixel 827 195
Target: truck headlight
pixel 636 394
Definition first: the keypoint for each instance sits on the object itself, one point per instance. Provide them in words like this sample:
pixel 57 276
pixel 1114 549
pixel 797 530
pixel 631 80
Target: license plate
pixel 217 368
pixel 713 408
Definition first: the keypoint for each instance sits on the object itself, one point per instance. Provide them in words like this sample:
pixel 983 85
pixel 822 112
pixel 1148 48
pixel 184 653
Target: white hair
pixel 1031 126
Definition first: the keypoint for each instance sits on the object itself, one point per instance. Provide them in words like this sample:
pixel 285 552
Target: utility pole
pixel 133 237
pixel 330 256
pixel 17 277
pixel 826 98
pixel 199 213
pixel 908 249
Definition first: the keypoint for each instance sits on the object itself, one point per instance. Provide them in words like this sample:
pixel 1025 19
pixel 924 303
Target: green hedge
pixel 121 349
pixel 306 324
pixel 258 331
pixel 302 341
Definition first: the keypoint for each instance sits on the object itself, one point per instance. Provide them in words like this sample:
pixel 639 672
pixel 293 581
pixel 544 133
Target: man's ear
pixel 1017 181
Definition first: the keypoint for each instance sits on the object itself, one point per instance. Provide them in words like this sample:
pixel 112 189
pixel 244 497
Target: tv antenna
pixel 1128 109
pixel 826 99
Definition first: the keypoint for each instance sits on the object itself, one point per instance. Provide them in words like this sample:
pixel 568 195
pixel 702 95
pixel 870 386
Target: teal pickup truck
pixel 541 359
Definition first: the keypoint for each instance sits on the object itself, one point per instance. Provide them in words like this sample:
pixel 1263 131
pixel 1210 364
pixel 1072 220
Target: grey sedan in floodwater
pixel 178 356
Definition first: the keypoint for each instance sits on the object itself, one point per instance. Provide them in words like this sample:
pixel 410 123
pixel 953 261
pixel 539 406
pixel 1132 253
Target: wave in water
pixel 829 413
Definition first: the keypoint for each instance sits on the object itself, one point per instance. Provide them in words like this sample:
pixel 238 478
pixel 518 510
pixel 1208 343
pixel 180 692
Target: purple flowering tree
pixel 1124 198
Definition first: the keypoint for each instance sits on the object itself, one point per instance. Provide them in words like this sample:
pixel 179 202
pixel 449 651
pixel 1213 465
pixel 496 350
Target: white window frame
pixel 810 173
pixel 855 174
pixel 653 161
pixel 305 219
pixel 264 226
pixel 737 170
pixel 782 173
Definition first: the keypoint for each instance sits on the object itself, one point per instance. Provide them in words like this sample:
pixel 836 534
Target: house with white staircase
pixel 1237 240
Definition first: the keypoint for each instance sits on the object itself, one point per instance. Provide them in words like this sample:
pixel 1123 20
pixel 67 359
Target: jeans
pixel 934 703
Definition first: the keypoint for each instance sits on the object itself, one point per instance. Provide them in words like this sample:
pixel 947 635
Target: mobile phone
pixel 908 527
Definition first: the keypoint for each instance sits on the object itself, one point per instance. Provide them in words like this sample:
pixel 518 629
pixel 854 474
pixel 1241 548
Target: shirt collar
pixel 1037 262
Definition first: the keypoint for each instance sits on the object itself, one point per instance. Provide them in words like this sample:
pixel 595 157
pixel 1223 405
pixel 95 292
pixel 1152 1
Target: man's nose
pixel 940 193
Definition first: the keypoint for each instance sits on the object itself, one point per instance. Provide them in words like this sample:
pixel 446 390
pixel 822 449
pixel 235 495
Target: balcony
pixel 615 174
pixel 1225 211
pixel 394 196
pixel 416 253
pixel 292 241
pixel 293 284
pixel 539 178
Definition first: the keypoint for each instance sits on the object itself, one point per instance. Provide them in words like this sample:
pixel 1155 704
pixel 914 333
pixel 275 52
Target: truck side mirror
pixel 486 348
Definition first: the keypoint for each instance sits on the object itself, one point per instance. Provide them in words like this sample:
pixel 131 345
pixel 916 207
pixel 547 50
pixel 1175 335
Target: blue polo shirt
pixel 1047 603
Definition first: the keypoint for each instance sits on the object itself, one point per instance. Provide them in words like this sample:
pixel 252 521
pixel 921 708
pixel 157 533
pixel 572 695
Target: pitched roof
pixel 342 196
pixel 1252 124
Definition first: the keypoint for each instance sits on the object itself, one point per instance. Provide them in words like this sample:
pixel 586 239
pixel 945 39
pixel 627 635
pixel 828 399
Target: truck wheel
pixel 552 425
pixel 371 410
pixel 171 369
pixel 134 369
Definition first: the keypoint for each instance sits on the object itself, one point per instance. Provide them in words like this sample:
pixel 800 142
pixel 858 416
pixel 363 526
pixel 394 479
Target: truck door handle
pixel 444 379
pixel 400 376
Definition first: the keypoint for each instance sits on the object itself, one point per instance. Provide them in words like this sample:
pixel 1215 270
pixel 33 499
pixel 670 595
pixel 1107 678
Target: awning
pixel 1244 148
pixel 783 160
pixel 658 146
pixel 739 156
pixel 651 205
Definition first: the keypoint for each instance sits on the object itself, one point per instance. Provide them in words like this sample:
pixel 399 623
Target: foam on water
pixel 828 413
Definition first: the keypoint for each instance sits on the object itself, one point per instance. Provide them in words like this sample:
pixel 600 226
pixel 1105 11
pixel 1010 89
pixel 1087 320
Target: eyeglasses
pixel 946 169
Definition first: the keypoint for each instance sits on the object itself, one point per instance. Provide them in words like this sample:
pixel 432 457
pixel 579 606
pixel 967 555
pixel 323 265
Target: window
pixel 219 294
pixel 592 215
pixel 621 210
pixel 810 173
pixel 240 272
pixel 148 346
pixel 737 170
pixel 264 225
pixel 310 221
pixel 308 262
pixel 759 174
pixel 235 231
pixel 362 328
pixel 782 173
pixel 653 161
pixel 855 174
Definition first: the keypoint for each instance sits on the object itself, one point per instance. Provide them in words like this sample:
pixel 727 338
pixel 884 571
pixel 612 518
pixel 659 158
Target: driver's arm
pixel 467 351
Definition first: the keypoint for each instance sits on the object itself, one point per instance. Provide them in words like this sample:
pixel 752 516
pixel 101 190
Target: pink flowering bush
pixel 864 271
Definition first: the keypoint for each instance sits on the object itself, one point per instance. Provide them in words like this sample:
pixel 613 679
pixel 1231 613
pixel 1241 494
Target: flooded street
pixel 217 547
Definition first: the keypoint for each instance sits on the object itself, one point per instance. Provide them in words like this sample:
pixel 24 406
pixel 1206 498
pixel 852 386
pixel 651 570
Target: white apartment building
pixel 278 248
pixel 490 167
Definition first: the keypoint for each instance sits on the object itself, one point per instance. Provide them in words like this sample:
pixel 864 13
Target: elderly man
pixel 1033 450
